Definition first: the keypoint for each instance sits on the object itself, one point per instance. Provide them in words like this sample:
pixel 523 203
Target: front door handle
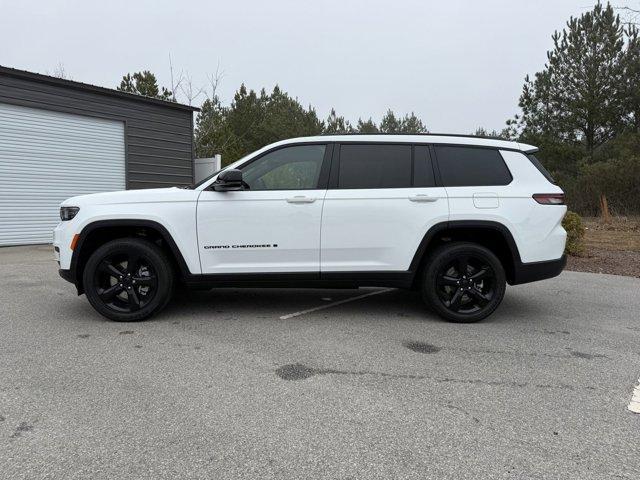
pixel 421 197
pixel 300 199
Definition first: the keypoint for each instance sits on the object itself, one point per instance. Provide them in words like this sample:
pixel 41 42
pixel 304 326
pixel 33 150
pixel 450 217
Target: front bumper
pixel 532 272
pixel 62 237
pixel 69 276
pixel 66 274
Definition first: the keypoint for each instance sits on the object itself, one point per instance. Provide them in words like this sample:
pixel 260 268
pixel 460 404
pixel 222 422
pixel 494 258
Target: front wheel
pixel 128 280
pixel 463 282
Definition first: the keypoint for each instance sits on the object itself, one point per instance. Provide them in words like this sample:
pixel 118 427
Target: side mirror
pixel 229 180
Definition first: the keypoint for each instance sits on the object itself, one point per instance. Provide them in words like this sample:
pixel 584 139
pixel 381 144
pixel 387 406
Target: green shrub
pixel 572 223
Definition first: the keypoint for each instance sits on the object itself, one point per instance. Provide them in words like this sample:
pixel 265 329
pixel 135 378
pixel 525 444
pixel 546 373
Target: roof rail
pixel 487 137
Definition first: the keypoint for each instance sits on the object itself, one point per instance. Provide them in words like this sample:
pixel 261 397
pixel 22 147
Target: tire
pixel 128 280
pixel 463 282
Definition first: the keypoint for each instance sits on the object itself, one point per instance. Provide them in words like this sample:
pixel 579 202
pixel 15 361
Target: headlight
pixel 67 213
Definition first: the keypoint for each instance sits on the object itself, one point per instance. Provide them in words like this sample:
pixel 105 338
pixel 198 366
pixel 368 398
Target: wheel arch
pixel 100 232
pixel 493 235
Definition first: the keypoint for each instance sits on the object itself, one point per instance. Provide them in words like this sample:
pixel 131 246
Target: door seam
pixel 320 240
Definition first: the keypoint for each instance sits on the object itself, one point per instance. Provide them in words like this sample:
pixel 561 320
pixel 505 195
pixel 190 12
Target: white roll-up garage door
pixel 47 157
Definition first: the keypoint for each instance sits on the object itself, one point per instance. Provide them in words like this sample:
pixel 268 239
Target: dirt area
pixel 610 248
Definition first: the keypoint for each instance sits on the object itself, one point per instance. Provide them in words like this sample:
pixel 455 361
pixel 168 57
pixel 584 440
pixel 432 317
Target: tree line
pixel 582 109
pixel 253 120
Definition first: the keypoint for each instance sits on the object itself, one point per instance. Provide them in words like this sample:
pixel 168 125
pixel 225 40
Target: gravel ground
pixel 614 262
pixel 610 248
pixel 219 386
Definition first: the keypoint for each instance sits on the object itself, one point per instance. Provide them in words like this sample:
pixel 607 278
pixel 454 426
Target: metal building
pixel 60 138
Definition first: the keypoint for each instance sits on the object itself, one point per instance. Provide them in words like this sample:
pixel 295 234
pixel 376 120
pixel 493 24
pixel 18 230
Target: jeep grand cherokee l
pixel 454 217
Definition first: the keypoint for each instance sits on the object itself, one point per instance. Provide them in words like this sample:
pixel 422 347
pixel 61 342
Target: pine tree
pixel 336 125
pixel 580 94
pixel 285 117
pixel 632 77
pixel 251 121
pixel 210 132
pixel 144 83
pixel 483 132
pixel 409 124
pixel 412 125
pixel 366 126
pixel 390 123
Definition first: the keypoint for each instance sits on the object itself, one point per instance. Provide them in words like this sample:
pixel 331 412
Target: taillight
pixel 549 198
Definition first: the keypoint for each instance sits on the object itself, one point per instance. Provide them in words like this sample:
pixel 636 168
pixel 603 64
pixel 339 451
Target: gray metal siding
pixel 158 137
pixel 47 157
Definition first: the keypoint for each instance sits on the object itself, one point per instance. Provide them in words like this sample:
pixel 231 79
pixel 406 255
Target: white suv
pixel 455 217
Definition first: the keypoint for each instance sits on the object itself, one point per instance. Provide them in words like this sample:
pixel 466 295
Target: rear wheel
pixel 128 279
pixel 463 282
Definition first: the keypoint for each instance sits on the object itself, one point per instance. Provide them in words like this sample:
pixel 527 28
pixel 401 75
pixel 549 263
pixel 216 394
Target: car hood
pixel 151 195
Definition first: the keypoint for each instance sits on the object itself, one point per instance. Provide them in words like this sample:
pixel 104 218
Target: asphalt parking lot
pixel 220 386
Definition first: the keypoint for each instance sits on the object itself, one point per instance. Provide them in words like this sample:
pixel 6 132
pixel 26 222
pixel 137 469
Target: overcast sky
pixel 456 64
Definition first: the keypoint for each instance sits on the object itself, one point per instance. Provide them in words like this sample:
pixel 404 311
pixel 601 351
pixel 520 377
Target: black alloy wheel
pixel 125 282
pixel 466 284
pixel 463 282
pixel 128 279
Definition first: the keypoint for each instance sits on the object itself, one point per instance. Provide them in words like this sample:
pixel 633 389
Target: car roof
pixel 435 138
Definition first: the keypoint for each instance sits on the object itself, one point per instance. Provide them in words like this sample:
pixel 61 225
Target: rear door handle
pixel 421 197
pixel 300 199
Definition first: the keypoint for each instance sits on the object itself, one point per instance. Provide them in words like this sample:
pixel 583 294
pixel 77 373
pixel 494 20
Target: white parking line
pixel 634 404
pixel 340 302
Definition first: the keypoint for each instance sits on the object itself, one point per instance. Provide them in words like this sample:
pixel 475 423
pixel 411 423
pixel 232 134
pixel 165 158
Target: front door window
pixel 290 168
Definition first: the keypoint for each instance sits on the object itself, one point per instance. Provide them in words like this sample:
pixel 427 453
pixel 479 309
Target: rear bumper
pixel 532 272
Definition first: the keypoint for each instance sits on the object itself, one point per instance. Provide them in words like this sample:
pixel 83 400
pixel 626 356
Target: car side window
pixel 471 167
pixel 289 168
pixel 374 166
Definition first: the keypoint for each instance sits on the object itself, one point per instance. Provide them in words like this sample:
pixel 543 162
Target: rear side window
pixel 471 167
pixel 374 166
pixel 533 159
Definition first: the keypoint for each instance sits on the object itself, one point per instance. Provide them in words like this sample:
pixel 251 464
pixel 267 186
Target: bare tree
pixel 191 92
pixel 631 14
pixel 60 72
pixel 211 92
pixel 182 85
pixel 176 82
